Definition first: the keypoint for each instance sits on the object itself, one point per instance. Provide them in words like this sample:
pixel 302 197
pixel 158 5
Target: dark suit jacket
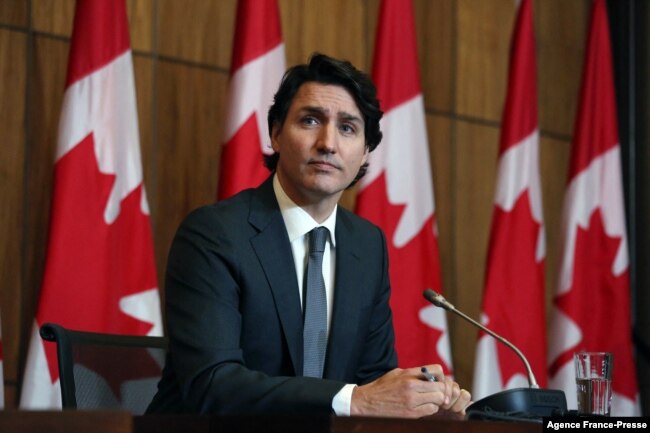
pixel 234 318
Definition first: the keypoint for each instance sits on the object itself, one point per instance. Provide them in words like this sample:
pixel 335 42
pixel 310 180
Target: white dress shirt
pixel 299 223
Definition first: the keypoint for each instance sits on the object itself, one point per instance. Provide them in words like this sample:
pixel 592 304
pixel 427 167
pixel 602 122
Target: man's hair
pixel 327 70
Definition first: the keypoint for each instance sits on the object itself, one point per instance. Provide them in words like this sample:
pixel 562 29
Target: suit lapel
pixel 276 259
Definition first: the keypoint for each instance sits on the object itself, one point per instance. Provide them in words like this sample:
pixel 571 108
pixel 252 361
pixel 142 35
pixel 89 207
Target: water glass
pixel 594 382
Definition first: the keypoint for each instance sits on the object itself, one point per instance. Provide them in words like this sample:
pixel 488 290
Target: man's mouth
pixel 324 165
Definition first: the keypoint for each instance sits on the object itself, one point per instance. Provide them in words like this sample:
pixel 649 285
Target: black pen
pixel 430 377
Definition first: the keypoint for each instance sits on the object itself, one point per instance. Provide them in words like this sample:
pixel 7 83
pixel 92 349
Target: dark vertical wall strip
pixel 631 45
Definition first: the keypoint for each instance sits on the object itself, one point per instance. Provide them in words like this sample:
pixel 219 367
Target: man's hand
pixel 407 394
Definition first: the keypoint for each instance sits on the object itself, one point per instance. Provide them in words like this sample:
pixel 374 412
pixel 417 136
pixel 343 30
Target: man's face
pixel 321 144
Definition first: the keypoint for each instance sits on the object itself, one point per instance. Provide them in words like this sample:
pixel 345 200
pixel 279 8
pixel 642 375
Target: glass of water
pixel 594 382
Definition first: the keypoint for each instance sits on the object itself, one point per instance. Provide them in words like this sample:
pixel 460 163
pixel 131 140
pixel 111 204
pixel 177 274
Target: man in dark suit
pixel 236 292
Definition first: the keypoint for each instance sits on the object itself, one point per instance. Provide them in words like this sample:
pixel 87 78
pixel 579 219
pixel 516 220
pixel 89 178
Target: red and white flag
pixel 100 272
pixel 591 306
pixel 258 64
pixel 513 298
pixel 397 192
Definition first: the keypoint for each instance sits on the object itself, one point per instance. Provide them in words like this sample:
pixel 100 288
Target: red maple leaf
pixel 413 268
pixel 514 293
pixel 598 302
pixel 92 265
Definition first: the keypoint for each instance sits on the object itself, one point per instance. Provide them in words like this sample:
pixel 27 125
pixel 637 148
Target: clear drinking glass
pixel 594 382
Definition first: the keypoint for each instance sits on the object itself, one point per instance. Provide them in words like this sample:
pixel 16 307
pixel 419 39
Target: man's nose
pixel 328 139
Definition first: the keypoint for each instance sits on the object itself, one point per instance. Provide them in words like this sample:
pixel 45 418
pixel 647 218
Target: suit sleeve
pixel 378 354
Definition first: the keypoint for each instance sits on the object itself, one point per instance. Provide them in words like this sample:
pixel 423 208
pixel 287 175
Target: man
pixel 237 293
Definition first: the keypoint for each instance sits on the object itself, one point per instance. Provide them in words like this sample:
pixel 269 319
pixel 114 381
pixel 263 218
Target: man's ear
pixel 366 155
pixel 275 131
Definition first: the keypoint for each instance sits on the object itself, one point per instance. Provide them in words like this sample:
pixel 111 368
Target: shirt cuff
pixel 343 400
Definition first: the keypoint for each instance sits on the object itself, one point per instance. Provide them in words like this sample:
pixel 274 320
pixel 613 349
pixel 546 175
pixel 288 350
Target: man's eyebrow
pixel 350 117
pixel 313 109
pixel 342 115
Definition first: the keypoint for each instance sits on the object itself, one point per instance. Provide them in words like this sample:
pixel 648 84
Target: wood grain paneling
pixel 435 22
pixel 13 46
pixel 144 81
pixel 189 116
pixel 440 153
pixel 333 27
pixel 143 70
pixel 140 24
pixel 553 163
pixel 13 12
pixel 474 180
pixel 57 17
pixel 561 28
pixel 53 16
pixel 197 30
pixel 49 63
pixel 483 39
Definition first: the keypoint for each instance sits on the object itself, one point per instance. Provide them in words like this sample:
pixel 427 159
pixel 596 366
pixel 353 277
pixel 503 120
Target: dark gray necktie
pixel 315 310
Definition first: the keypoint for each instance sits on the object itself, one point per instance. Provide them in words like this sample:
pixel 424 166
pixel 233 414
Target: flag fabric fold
pixel 100 271
pixel 397 192
pixel 591 304
pixel 513 298
pixel 257 66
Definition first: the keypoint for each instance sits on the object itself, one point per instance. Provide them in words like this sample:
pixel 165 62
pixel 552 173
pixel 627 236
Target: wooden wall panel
pixel 197 30
pixel 333 27
pixel 49 63
pixel 553 167
pixel 189 115
pixel 474 181
pixel 55 17
pixel 140 24
pixel 13 12
pixel 441 155
pixel 45 83
pixel 145 94
pixel 435 25
pixel 13 45
pixel 561 28
pixel 482 57
pixel 143 71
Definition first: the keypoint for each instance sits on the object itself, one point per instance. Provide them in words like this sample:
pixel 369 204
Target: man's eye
pixel 348 128
pixel 309 120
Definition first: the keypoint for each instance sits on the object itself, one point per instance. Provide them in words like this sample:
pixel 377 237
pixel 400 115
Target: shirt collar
pixel 297 221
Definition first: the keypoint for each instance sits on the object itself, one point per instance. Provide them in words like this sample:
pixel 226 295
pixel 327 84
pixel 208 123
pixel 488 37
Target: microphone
pixel 439 301
pixel 518 403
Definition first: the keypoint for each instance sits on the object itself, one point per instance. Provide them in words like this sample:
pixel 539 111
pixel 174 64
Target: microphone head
pixel 436 299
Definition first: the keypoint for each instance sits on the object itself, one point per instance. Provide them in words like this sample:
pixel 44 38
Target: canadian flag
pixel 257 67
pixel 591 306
pixel 397 192
pixel 513 298
pixel 100 272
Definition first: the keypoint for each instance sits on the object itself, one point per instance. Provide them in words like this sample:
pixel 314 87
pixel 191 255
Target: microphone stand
pixel 523 404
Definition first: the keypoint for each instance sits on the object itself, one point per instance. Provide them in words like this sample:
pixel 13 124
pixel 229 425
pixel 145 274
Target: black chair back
pixel 106 371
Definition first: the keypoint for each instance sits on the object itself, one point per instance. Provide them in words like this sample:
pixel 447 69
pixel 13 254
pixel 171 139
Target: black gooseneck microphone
pixel 439 301
pixel 530 403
